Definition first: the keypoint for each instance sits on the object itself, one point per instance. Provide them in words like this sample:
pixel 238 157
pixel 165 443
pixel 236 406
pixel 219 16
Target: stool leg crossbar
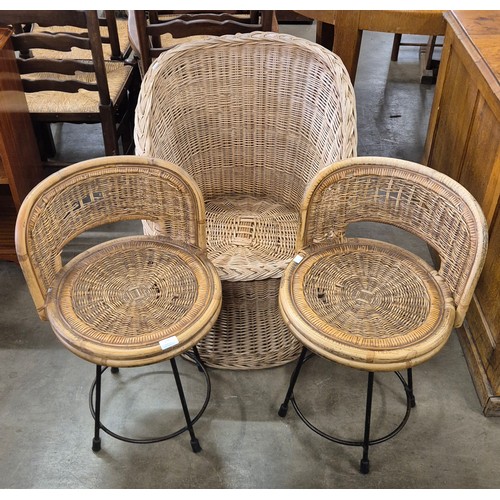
pixel 366 442
pixel 95 407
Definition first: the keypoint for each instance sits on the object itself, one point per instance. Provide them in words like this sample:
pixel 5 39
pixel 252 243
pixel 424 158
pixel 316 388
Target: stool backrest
pixel 407 195
pixel 97 192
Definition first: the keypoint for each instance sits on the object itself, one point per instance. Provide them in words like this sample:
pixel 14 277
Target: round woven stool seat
pixel 368 305
pixel 134 301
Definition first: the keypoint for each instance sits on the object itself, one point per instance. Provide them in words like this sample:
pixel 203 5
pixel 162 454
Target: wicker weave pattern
pixel 249 332
pixel 368 304
pixel 261 230
pixel 372 305
pixel 113 304
pixel 333 281
pixel 245 114
pixel 252 118
pixel 412 197
pixel 120 188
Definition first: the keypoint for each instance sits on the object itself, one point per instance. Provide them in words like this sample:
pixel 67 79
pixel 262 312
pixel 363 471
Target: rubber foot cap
pixel 283 410
pixel 96 444
pixel 364 466
pixel 195 445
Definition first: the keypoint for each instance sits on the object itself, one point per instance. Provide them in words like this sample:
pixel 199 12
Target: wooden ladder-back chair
pixel 114 38
pixel 371 305
pixel 116 30
pixel 82 87
pixel 130 301
pixel 252 117
pixel 152 32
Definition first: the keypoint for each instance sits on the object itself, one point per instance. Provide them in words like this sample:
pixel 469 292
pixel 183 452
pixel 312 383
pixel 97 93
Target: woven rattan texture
pixel 412 197
pixel 115 303
pixel 249 331
pixel 252 118
pixel 369 305
pixel 246 114
pixel 101 192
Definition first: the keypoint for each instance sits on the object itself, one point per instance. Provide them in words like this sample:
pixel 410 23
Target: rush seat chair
pixel 68 79
pixel 130 301
pixel 371 305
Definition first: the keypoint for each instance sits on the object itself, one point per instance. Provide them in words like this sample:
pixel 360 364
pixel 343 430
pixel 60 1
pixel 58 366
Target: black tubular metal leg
pixel 365 463
pixel 96 442
pixel 195 444
pixel 284 407
pixel 198 358
pixel 410 388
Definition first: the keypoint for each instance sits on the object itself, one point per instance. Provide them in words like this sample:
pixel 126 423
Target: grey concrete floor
pixel 46 427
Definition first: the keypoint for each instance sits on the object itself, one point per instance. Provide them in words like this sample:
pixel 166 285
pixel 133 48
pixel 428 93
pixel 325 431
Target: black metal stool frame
pixel 95 409
pixel 366 442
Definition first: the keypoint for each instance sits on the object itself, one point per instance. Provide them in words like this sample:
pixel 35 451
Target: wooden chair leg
pixel 45 140
pixel 395 46
pixel 324 34
pixel 431 44
pixel 109 131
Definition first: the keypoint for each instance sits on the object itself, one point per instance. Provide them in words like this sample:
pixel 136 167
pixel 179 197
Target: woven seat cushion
pixel 248 238
pixel 113 304
pixel 369 305
pixel 83 101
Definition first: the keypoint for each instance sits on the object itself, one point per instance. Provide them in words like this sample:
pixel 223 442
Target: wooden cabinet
pixel 20 165
pixel 463 141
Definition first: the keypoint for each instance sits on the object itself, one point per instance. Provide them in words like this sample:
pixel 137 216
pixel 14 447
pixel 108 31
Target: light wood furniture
pixel 343 29
pixel 371 305
pixel 130 301
pixel 20 166
pixel 252 117
pixel 463 141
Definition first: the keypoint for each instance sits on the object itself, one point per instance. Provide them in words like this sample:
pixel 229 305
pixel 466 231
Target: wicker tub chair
pixel 252 118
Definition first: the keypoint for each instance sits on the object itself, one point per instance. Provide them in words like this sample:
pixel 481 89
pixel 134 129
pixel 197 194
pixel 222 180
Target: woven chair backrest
pixel 97 192
pixel 407 195
pixel 253 114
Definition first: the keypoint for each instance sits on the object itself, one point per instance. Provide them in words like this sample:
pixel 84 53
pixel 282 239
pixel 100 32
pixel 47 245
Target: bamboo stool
pixel 130 301
pixel 252 118
pixel 371 305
